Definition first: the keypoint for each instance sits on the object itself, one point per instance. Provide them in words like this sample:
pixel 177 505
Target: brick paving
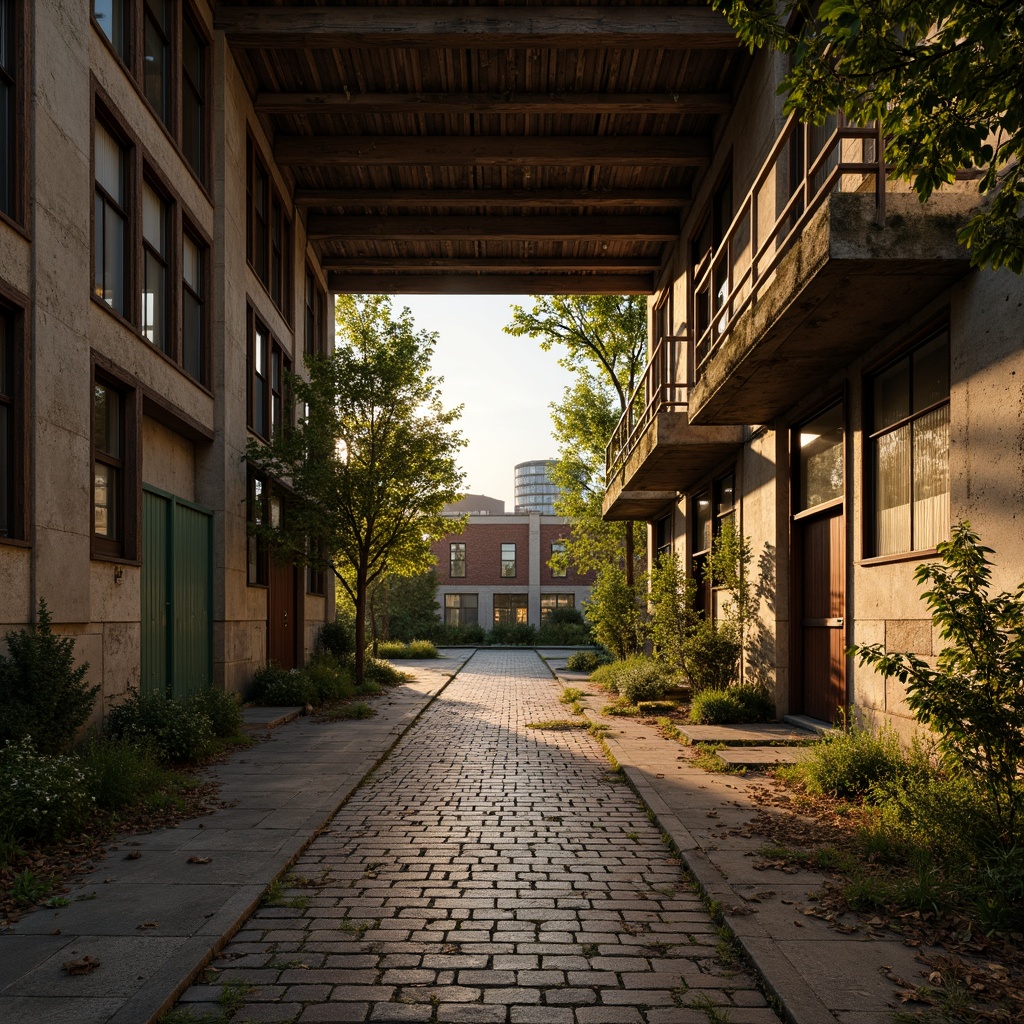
pixel 486 872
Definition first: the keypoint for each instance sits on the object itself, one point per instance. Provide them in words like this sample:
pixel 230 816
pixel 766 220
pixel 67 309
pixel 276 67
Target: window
pixel 510 609
pixel 193 310
pixel 257 514
pixel 709 510
pixel 315 316
pixel 910 450
pixel 268 369
pixel 11 524
pixel 156 31
pixel 460 609
pixel 114 477
pixel 193 98
pixel 155 231
pixel 663 536
pixel 457 560
pixel 508 560
pixel 112 18
pixel 280 253
pixel 111 220
pixel 820 459
pixel 549 602
pixel 558 570
pixel 268 234
pixel 10 103
pixel 316 575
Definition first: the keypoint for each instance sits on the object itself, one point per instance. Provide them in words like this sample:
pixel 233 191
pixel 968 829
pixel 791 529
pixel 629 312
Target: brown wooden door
pixel 823 606
pixel 282 624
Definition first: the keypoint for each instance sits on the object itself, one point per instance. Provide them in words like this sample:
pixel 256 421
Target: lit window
pixel 508 560
pixel 910 450
pixel 257 514
pixel 111 223
pixel 510 609
pixel 820 459
pixel 549 602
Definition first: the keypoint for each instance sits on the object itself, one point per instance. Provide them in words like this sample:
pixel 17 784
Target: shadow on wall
pixel 760 650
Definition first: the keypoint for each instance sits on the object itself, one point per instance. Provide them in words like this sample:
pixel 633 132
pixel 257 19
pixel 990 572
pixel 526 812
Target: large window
pixel 549 602
pixel 510 609
pixel 709 509
pixel 10 107
pixel 10 440
pixel 457 560
pixel 508 560
pixel 268 234
pixel 110 266
pixel 820 462
pixel 910 450
pixel 460 609
pixel 155 241
pixel 156 48
pixel 663 536
pixel 193 308
pixel 269 406
pixel 193 97
pixel 558 569
pixel 258 514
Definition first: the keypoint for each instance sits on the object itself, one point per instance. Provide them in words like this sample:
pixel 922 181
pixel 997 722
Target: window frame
pixel 455 557
pixel 557 548
pixel 125 547
pixel 906 352
pixel 269 256
pixel 168 34
pixel 257 558
pixel 314 309
pixel 458 606
pixel 188 230
pixel 505 562
pixel 17 142
pixel 275 385
pixel 517 603
pixel 127 146
pixel 12 313
pixel 546 608
pixel 167 261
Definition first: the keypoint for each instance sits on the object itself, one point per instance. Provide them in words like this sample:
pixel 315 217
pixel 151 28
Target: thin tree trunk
pixel 360 652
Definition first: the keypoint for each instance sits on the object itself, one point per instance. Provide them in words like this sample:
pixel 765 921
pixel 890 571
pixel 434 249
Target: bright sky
pixel 506 384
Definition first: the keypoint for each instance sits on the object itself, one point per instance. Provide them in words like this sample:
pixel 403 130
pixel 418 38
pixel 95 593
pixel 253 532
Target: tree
pixel 605 343
pixel 404 607
pixel 372 462
pixel 942 78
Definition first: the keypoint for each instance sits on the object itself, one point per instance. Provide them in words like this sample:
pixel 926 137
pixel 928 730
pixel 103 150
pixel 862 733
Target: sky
pixel 506 385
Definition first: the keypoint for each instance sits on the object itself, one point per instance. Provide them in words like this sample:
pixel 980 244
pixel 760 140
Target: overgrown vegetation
pixel 635 679
pixel 744 702
pixel 396 649
pixel 587 661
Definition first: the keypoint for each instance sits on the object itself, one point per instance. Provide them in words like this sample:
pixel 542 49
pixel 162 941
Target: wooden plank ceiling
pixel 478 147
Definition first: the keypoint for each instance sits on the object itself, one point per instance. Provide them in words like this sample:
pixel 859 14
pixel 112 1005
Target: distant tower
pixel 534 491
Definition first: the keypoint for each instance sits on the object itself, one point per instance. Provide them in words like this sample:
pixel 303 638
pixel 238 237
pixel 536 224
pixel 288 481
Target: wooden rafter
pixel 492 284
pixel 485 151
pixel 493 103
pixel 494 228
pixel 537 26
pixel 569 199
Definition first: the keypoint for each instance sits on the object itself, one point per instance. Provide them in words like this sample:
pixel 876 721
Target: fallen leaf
pixel 199 860
pixel 134 855
pixel 146 924
pixel 86 965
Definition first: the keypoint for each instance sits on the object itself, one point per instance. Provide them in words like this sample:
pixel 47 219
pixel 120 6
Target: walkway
pixel 486 872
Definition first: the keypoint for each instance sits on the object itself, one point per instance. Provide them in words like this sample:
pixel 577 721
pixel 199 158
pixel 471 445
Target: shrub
pixel 43 797
pixel 587 661
pixel 224 710
pixel 615 612
pixel 855 763
pixel 710 656
pixel 42 693
pixel 380 672
pixel 337 638
pixel 518 634
pixel 277 687
pixel 635 679
pixel 369 689
pixel 122 773
pixel 178 732
pixel 455 636
pixel 413 649
pixel 565 617
pixel 327 681
pixel 563 634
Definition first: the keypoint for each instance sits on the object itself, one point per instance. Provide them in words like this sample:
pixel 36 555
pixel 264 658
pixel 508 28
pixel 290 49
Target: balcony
pixel 820 262
pixel 654 451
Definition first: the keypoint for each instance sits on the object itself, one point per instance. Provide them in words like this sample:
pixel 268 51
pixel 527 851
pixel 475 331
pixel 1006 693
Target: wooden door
pixel 823 607
pixel 282 627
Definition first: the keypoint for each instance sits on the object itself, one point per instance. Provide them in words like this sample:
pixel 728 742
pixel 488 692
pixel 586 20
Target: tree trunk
pixel 360 652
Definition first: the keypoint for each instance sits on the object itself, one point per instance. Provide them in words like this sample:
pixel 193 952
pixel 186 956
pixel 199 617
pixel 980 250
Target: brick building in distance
pixel 496 571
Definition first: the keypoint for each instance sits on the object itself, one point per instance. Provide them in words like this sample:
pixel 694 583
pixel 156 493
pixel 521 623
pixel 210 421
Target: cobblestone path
pixel 486 872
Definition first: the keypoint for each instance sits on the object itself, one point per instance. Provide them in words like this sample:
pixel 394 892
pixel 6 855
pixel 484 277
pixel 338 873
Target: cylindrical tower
pixel 534 491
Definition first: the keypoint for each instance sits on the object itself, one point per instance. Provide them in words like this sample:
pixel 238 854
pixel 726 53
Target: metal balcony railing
pixel 663 386
pixel 806 164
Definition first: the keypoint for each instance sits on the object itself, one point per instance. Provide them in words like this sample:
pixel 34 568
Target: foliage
pixel 515 634
pixel 404 607
pixel 347 712
pixel 563 634
pixel 43 797
pixel 616 612
pixel 42 693
pixel 178 732
pixel 224 710
pixel 711 656
pixel 445 635
pixel 328 680
pixel 275 687
pixel 587 661
pixel 123 773
pixel 413 649
pixel 337 638
pixel 372 463
pixel 974 695
pixel 671 597
pixel 733 705
pixel 636 679
pixel 604 339
pixel 941 78
pixel 382 673
pixel 855 763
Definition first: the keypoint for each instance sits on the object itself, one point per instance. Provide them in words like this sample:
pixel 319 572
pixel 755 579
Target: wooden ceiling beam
pixel 492 284
pixel 493 103
pixel 459 26
pixel 496 229
pixel 490 150
pixel 446 265
pixel 570 199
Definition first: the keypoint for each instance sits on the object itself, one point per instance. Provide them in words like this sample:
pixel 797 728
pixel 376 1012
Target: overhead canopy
pixel 534 148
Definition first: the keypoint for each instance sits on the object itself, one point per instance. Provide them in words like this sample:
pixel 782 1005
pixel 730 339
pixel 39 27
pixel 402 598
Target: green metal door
pixel 177 595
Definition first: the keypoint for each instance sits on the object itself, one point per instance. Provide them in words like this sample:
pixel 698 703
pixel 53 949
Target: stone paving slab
pixel 759 757
pixel 760 734
pixel 155 920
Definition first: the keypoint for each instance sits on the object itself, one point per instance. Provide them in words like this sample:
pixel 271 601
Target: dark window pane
pixel 110 15
pixel 154 59
pixel 892 395
pixel 931 372
pixel 8 139
pixel 192 337
pixel 7 481
pixel 192 92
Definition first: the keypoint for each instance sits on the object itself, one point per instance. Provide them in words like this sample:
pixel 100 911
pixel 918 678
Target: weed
pixel 590 949
pixel 274 896
pixel 344 712
pixel 557 725
pixel 706 758
pixel 10 851
pixel 232 996
pixel 635 836
pixel 570 695
pixel 599 732
pixel 715 1014
pixel 29 888
pixel 668 728
pixel 621 709
pixel 58 901
pixel 357 928
pixel 727 950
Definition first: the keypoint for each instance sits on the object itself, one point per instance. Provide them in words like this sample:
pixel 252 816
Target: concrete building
pixel 496 571
pixel 155 283
pixel 827 370
pixel 534 489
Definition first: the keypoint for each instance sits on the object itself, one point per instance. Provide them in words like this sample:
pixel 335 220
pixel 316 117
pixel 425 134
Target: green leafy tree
pixel 616 612
pixel 604 340
pixel 672 599
pixel 942 78
pixel 974 694
pixel 372 462
pixel 404 607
